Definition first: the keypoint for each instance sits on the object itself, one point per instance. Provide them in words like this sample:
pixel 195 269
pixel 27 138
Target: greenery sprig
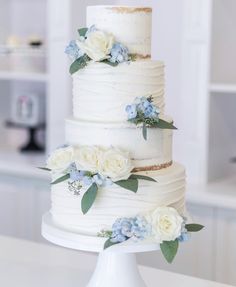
pixel 169 249
pixel 144 112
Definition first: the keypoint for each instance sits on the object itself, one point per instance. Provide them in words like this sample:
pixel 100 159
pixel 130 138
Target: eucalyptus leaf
pixel 44 168
pixel 109 243
pixel 61 179
pixel 79 64
pixel 169 249
pixel 144 131
pixel 161 124
pixel 143 177
pixel 89 198
pixel 130 184
pixel 194 227
pixel 135 121
pixel 106 61
pixel 82 32
pixel 133 57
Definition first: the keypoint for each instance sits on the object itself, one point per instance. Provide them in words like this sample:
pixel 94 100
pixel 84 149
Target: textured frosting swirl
pixel 101 92
pixel 115 202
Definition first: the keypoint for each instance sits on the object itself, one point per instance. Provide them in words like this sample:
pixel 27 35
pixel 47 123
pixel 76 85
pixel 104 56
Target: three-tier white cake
pixel 115 177
pixel 100 95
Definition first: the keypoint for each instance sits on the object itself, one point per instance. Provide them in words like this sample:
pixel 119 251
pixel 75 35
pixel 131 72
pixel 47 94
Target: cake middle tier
pixel 155 151
pixel 101 92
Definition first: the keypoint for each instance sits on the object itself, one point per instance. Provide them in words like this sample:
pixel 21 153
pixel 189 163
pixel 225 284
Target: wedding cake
pixel 115 176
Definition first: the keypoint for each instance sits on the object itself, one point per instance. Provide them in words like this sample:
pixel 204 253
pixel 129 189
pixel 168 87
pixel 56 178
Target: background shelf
pixel 220 193
pixel 22 76
pixel 222 88
pixel 16 163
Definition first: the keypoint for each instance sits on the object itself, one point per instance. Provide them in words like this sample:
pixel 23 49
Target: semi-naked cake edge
pixel 131 26
pixel 157 150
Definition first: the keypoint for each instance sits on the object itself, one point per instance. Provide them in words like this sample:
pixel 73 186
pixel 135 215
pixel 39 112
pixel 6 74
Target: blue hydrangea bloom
pixel 98 179
pixel 91 30
pixel 87 180
pixel 119 53
pixel 185 235
pixel 125 228
pixel 73 51
pixel 132 111
pixel 150 111
pixel 75 175
pixel 108 182
pixel 147 108
pixel 141 228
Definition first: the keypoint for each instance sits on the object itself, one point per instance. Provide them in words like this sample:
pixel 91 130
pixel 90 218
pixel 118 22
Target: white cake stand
pixel 116 266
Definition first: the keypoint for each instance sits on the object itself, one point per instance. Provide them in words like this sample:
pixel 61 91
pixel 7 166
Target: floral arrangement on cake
pixel 143 111
pixel 88 168
pixel 98 46
pixel 163 225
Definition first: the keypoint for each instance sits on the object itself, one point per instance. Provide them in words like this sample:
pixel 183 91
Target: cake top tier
pixel 130 25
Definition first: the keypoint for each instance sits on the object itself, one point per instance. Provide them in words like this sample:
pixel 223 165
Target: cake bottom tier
pixel 114 202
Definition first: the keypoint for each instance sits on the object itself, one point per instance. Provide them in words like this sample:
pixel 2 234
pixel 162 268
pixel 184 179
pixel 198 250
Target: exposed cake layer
pixel 114 202
pixel 130 25
pixel 156 150
pixel 101 92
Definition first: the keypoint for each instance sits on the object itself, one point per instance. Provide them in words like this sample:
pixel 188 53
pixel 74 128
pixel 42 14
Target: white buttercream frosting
pixel 156 150
pixel 101 92
pixel 130 25
pixel 114 202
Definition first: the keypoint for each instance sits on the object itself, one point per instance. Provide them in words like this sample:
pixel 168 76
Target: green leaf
pixel 108 244
pixel 61 179
pixel 144 131
pixel 130 184
pixel 106 61
pixel 161 124
pixel 79 64
pixel 89 198
pixel 82 32
pixel 169 249
pixel 194 227
pixel 133 57
pixel 44 168
pixel 135 121
pixel 143 177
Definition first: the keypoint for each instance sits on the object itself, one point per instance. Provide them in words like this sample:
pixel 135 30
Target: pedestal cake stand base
pixel 116 266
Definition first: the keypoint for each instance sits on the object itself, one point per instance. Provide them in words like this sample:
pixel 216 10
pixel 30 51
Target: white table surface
pixel 28 264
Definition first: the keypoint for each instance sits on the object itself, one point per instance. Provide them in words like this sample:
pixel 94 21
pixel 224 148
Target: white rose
pixel 60 159
pixel 166 223
pixel 97 45
pixel 115 164
pixel 87 157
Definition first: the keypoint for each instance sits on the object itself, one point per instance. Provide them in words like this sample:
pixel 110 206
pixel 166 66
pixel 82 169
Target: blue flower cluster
pixel 86 179
pixel 73 51
pixel 143 106
pixel 119 53
pixel 131 111
pixel 185 235
pixel 134 227
pixel 91 29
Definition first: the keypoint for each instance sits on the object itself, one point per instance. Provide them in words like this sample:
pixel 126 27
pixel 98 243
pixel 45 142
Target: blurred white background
pixel 197 41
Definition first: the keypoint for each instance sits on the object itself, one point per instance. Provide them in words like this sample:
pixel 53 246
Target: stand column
pixel 116 269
